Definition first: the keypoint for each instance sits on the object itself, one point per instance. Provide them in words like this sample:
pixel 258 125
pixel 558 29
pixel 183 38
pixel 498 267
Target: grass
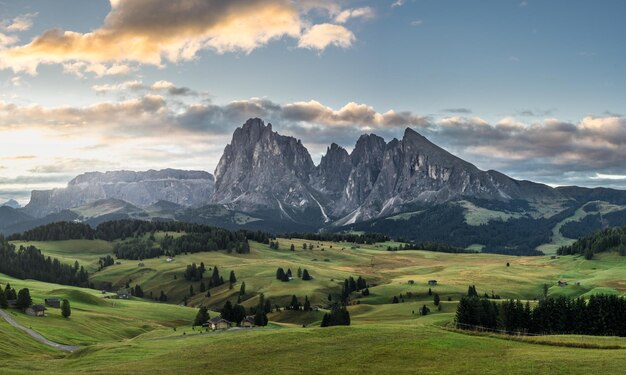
pixel 139 336
pixel 95 319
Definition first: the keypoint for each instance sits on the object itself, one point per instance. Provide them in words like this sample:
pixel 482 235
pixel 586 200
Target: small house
pixel 12 303
pixel 123 294
pixel 562 283
pixel 36 310
pixel 218 322
pixel 53 302
pixel 248 322
pixel 432 282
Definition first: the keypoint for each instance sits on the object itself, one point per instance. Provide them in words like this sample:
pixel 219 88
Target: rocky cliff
pixel 142 189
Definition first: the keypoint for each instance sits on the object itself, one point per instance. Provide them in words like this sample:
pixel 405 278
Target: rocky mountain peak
pixel 11 203
pixel 261 169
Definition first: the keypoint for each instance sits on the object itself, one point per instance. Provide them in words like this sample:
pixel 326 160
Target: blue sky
pixel 533 88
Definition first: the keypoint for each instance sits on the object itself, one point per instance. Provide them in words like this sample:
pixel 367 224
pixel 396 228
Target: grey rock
pixel 142 189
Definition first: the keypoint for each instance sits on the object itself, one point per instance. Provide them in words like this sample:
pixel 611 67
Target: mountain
pixel 408 188
pixel 263 171
pixel 142 189
pixel 11 203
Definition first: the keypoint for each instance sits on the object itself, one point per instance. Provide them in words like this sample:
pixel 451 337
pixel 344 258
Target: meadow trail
pixel 37 336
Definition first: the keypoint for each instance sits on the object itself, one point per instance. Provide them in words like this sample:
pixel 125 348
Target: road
pixel 37 336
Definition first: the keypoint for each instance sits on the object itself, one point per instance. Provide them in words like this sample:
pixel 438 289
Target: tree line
pixel 601 315
pixel 610 239
pixel 365 238
pixel 121 230
pixel 29 263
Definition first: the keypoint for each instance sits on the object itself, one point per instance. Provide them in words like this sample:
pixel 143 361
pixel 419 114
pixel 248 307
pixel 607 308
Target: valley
pixel 134 335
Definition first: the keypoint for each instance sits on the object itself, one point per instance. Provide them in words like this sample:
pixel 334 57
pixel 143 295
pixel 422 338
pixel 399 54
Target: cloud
pixel 154 31
pixel 397 3
pixel 158 87
pixel 345 15
pixel 323 35
pixel 20 23
pixel 463 111
pixel 417 23
pixel 130 133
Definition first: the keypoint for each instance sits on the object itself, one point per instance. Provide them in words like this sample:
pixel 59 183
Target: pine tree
pixel 295 304
pixel 304 246
pixel 430 292
pixel 436 299
pixel 292 248
pixel 215 278
pixel 3 300
pixel 268 306
pixel 242 289
pixel 260 318
pixel 307 304
pixel 66 310
pixel 395 300
pixel 163 297
pixel 280 274
pixel 23 299
pixel 138 291
pixel 202 287
pixel 232 277
pixel 191 293
pixel 202 317
pixel 305 275
pixel 299 272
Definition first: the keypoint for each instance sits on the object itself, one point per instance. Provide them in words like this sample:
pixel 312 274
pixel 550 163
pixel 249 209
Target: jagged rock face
pixel 331 175
pixel 366 160
pixel 262 170
pixel 187 188
pixel 416 170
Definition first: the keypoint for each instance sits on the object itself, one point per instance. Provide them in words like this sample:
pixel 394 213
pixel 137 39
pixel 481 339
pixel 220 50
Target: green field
pixel 141 336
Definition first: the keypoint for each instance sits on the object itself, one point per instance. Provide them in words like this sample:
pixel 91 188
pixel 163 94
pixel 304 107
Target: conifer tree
pixel 66 310
pixel 242 289
pixel 305 275
pixel 436 299
pixel 3 300
pixel 23 299
pixel 202 316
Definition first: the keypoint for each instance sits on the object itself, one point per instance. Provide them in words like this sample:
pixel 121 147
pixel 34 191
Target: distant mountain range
pixel 409 188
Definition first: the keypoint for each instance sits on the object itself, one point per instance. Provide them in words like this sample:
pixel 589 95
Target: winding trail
pixel 37 336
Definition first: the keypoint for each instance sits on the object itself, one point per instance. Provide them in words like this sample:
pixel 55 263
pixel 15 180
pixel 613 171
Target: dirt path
pixel 37 336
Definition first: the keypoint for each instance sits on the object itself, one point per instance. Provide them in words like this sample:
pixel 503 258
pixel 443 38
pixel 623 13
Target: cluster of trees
pixel 611 239
pixel 365 238
pixel 29 263
pixel 282 275
pixel 59 231
pixel 296 305
pixel 193 272
pixel 137 248
pixel 593 222
pixel 338 316
pixel 22 298
pixel 273 245
pixel 213 239
pixel 600 315
pixel 105 262
pixel 351 285
pixel 286 276
pixel 430 246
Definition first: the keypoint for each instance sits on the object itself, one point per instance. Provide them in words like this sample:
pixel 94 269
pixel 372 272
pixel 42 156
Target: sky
pixel 533 88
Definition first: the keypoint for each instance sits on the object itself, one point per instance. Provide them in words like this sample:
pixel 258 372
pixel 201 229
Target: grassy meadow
pixel 141 336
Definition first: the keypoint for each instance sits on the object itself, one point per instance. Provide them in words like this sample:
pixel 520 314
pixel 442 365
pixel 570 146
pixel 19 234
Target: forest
pixel 610 239
pixel 29 263
pixel 601 315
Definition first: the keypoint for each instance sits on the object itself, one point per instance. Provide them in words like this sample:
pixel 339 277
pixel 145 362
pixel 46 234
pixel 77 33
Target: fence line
pixel 487 329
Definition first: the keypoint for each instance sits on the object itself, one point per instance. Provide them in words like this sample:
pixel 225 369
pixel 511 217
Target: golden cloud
pixel 151 31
